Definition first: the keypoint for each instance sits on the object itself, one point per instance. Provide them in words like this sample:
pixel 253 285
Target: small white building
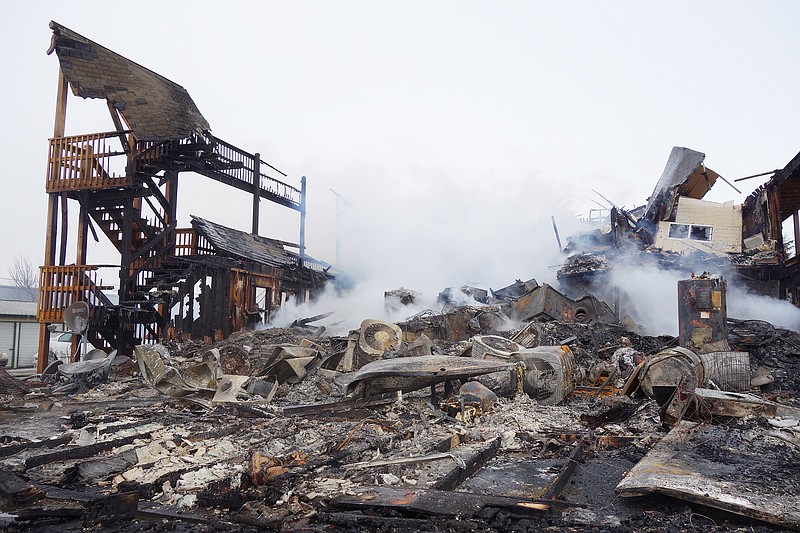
pixel 19 330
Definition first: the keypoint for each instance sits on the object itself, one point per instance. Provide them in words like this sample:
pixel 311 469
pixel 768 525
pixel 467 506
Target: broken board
pixel 433 502
pixel 740 470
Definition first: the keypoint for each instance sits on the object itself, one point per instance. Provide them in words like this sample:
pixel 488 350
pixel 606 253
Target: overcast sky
pixel 456 129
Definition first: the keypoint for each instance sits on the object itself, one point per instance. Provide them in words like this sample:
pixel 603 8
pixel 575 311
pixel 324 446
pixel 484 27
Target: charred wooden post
pixel 256 190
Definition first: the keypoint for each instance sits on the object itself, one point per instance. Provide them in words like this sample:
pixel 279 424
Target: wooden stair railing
pixel 84 162
pixel 61 286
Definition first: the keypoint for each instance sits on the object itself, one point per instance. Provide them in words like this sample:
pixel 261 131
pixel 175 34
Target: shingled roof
pixel 153 107
pixel 247 246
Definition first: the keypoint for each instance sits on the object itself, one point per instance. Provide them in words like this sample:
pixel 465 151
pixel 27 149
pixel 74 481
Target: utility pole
pixel 303 192
pixel 341 203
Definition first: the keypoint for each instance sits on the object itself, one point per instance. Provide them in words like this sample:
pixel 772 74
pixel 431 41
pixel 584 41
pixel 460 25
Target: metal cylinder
pixel 493 347
pixel 548 373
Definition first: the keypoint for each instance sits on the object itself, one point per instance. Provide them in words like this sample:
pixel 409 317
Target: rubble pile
pixel 444 422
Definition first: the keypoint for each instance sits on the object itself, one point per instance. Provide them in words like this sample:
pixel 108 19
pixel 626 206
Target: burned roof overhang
pixel 786 184
pixel 153 107
pixel 244 245
pixel 684 175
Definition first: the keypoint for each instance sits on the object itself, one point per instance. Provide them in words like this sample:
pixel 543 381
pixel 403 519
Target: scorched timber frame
pixel 125 183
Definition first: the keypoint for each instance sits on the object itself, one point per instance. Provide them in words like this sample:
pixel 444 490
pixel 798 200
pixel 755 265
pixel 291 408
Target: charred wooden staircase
pixel 127 189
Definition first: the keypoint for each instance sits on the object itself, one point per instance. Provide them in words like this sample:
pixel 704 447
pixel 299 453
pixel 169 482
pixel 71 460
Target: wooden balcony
pixel 61 286
pixel 87 162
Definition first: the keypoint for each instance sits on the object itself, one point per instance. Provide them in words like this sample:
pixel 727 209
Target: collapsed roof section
pixel 254 248
pixel 153 107
pixel 247 246
pixel 684 175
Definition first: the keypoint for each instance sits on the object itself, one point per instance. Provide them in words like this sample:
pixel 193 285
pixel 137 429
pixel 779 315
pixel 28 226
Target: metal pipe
pixel 758 175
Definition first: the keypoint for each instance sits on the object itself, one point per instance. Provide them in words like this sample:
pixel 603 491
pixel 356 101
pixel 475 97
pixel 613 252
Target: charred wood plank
pixel 37 513
pixel 13 449
pixel 383 522
pixel 337 408
pixel 82 452
pixel 434 502
pixel 473 461
pixel 559 484
pixel 110 509
pixel 152 511
pixel 18 491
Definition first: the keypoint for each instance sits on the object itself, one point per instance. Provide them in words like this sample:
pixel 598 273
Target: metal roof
pixel 153 107
pixel 15 293
pixel 683 175
pixel 20 309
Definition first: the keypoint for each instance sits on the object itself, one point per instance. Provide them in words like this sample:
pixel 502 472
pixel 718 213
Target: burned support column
pixel 59 128
pixel 302 220
pixel 702 314
pixel 256 190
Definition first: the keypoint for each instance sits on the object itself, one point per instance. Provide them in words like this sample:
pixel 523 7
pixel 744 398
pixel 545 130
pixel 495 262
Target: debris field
pixel 444 422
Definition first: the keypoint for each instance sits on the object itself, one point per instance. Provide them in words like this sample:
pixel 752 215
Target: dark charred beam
pixel 434 502
pixel 152 243
pixel 82 452
pixel 110 509
pixel 560 483
pixel 474 462
pixel 13 449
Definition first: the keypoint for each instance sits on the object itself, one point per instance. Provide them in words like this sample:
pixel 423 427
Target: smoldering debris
pixel 453 419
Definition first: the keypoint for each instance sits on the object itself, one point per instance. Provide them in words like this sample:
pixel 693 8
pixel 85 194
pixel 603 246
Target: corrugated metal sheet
pixel 17 294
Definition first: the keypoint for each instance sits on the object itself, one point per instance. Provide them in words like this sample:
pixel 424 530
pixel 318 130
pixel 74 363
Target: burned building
pixel 771 227
pixel 752 243
pixel 204 281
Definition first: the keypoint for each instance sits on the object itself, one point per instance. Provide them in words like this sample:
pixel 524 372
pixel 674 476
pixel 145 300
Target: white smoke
pixel 652 298
pixel 435 233
pixel 745 305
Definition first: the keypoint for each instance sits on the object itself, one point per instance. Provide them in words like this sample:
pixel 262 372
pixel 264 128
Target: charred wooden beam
pixel 12 449
pixel 434 502
pixel 472 463
pixel 82 452
pixel 110 509
pixel 17 491
pixel 559 484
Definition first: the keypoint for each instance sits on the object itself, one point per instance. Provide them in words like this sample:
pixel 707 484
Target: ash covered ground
pixel 253 464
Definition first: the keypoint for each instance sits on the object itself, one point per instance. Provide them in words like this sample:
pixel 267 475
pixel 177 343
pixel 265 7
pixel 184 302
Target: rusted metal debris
pixel 413 373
